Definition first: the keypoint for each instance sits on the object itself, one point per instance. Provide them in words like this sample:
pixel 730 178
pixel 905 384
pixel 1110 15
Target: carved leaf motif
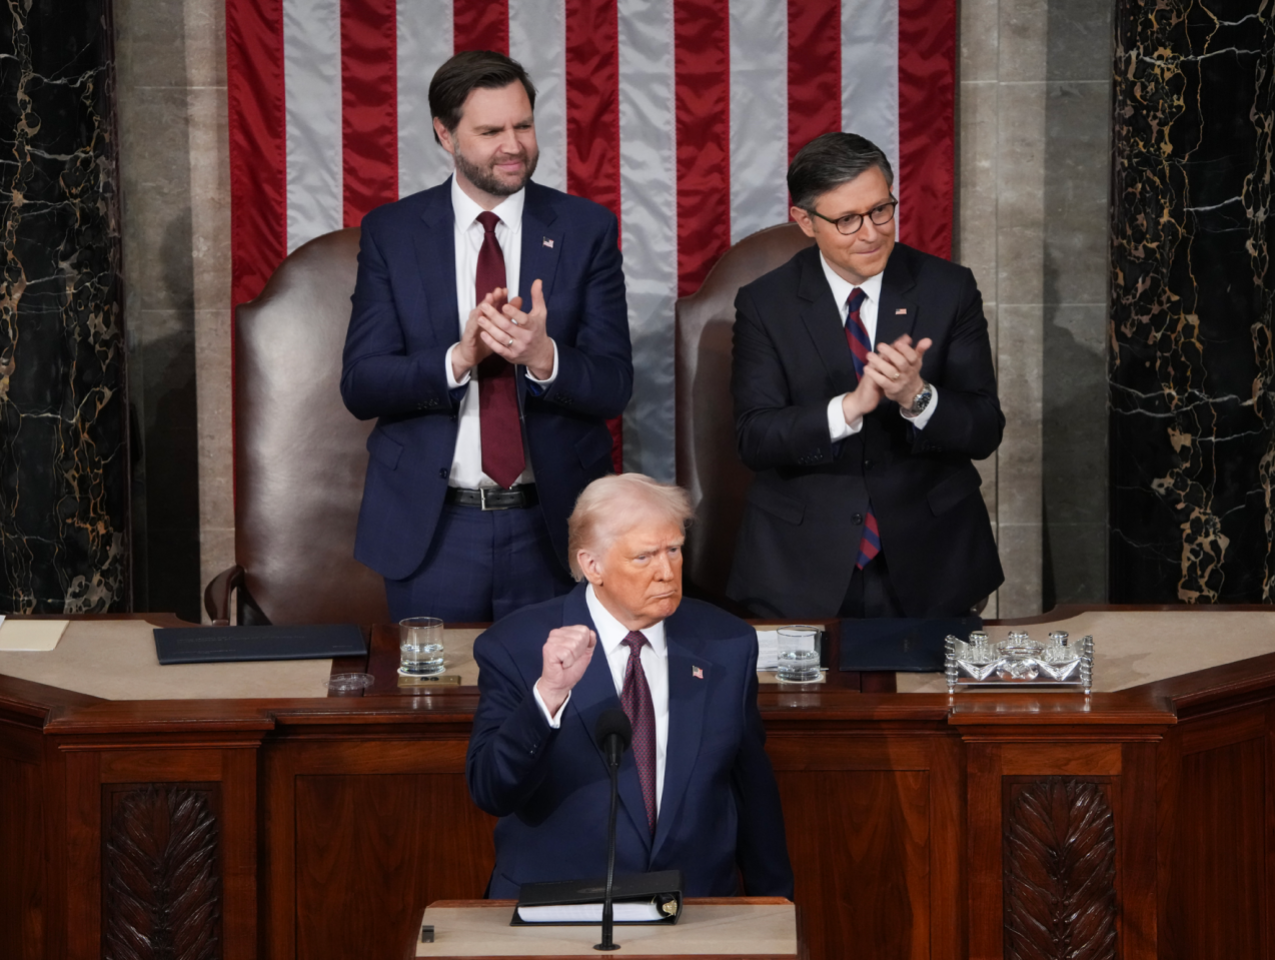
pixel 163 899
pixel 1060 873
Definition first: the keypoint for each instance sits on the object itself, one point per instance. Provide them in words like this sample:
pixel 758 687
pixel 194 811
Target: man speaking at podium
pixel 696 790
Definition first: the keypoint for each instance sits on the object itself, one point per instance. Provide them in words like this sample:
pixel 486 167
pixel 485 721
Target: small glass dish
pixel 348 684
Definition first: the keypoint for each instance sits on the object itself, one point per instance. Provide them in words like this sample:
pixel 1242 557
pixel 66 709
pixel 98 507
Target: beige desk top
pixel 720 929
pixel 1136 647
pixel 115 660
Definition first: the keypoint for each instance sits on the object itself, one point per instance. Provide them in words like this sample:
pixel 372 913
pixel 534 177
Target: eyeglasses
pixel 851 223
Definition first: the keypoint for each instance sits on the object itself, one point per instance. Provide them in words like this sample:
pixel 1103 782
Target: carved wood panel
pixel 161 872
pixel 1060 872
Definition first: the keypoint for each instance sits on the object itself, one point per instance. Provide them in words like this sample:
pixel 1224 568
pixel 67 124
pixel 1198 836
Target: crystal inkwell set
pixel 1019 661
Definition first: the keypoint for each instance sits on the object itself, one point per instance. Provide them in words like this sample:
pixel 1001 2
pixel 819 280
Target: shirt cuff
pixel 553 373
pixel 838 429
pixel 452 382
pixel 554 721
pixel 922 418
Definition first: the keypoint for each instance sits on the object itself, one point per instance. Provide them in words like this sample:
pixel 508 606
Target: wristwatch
pixel 920 401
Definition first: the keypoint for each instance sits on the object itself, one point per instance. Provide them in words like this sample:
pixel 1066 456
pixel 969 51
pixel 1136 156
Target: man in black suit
pixel 863 386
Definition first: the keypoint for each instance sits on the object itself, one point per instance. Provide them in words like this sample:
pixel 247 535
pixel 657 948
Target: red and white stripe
pixel 678 115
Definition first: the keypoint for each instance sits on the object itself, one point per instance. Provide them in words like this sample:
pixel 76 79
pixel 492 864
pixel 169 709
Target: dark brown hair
pixel 468 71
pixel 830 160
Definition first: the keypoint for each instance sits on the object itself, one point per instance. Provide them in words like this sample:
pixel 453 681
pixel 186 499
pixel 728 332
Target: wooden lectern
pixel 739 928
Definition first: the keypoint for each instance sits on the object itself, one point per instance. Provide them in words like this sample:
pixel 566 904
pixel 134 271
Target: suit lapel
pixel 436 258
pixel 687 694
pixel 822 319
pixel 897 313
pixel 542 238
pixel 594 694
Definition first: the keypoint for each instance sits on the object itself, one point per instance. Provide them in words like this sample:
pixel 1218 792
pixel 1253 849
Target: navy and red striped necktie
pixel 860 347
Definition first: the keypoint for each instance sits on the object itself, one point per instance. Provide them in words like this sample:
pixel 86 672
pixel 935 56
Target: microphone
pixel 613 734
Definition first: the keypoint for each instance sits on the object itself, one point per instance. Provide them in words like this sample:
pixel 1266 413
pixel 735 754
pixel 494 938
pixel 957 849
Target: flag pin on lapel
pixel 697 673
pixel 900 311
pixel 546 241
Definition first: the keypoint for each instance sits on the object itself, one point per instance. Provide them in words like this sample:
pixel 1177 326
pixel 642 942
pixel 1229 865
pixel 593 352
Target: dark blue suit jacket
pixel 404 320
pixel 720 808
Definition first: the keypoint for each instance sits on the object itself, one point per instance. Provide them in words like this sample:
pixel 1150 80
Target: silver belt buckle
pixel 482 499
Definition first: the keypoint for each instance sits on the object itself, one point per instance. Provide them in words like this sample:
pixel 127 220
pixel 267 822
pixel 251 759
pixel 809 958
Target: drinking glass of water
pixel 420 644
pixel 798 655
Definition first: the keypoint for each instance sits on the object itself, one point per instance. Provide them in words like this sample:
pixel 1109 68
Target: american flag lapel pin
pixel 697 673
pixel 547 241
pixel 901 311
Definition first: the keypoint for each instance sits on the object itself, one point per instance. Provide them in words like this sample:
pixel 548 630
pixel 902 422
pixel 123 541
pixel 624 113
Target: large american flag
pixel 679 115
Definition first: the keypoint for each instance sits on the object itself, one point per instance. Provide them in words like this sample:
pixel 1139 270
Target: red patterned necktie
pixel 860 347
pixel 499 427
pixel 635 698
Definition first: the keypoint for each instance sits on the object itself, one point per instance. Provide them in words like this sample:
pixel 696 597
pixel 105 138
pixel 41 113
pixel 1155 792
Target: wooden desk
pixel 918 826
pixel 741 928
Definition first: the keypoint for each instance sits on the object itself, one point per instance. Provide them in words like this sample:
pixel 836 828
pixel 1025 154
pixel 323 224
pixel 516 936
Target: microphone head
pixel 613 723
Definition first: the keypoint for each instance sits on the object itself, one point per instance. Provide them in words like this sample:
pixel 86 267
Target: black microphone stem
pixel 608 912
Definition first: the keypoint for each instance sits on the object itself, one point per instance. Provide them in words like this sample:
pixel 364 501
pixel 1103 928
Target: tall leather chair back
pixel 708 465
pixel 300 456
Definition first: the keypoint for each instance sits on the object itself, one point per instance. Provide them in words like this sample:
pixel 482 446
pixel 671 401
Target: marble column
pixel 1191 363
pixel 64 463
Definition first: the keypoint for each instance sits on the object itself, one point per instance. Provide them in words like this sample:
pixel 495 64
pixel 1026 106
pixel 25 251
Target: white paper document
pixel 30 636
pixel 632 912
pixel 768 649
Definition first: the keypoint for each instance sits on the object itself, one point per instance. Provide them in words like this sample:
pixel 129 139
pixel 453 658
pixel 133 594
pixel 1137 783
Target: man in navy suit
pixel 864 386
pixel 489 337
pixel 697 792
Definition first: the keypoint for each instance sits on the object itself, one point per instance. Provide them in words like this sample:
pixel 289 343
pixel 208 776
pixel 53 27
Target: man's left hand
pixel 896 368
pixel 517 336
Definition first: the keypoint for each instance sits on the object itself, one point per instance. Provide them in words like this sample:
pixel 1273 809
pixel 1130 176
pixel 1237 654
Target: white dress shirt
pixel 467 460
pixel 611 634
pixel 838 429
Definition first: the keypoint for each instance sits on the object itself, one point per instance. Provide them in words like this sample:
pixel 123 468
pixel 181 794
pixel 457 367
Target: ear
pixel 799 215
pixel 590 566
pixel 444 136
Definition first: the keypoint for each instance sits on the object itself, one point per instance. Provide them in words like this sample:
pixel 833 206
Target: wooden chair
pixel 300 455
pixel 708 465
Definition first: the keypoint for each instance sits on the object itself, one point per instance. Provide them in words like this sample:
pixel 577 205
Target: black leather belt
pixel 495 498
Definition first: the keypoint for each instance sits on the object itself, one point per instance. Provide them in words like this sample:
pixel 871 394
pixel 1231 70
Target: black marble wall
pixel 64 470
pixel 1192 364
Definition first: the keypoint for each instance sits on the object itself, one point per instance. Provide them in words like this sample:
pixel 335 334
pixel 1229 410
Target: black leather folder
pixel 230 644
pixel 657 894
pixel 901 645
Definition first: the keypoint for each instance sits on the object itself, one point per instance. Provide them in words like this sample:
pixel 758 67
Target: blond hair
pixel 611 506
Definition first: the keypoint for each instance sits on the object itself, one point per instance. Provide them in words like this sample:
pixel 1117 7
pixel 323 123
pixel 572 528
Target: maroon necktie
pixel 635 698
pixel 503 458
pixel 860 347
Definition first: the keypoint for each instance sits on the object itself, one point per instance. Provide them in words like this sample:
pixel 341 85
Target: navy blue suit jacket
pixel 405 318
pixel 799 536
pixel 720 808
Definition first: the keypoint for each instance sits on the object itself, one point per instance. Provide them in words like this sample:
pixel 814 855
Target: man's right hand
pixel 471 351
pixel 566 655
pixel 863 400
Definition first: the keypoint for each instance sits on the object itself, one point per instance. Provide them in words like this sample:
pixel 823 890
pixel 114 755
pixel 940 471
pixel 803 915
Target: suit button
pixel 443 473
pixel 867 464
pixel 857 519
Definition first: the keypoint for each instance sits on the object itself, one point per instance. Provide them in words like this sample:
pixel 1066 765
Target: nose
pixel 869 231
pixel 664 567
pixel 509 144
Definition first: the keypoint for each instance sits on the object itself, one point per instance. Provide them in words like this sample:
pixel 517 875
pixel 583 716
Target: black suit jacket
pixel 799 537
pixel 404 319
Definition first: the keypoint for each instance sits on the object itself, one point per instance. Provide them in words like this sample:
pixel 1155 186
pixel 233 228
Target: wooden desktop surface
pixel 742 928
pixel 918 825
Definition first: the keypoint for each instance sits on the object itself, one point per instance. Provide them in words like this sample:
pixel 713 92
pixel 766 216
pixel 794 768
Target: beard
pixel 486 178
